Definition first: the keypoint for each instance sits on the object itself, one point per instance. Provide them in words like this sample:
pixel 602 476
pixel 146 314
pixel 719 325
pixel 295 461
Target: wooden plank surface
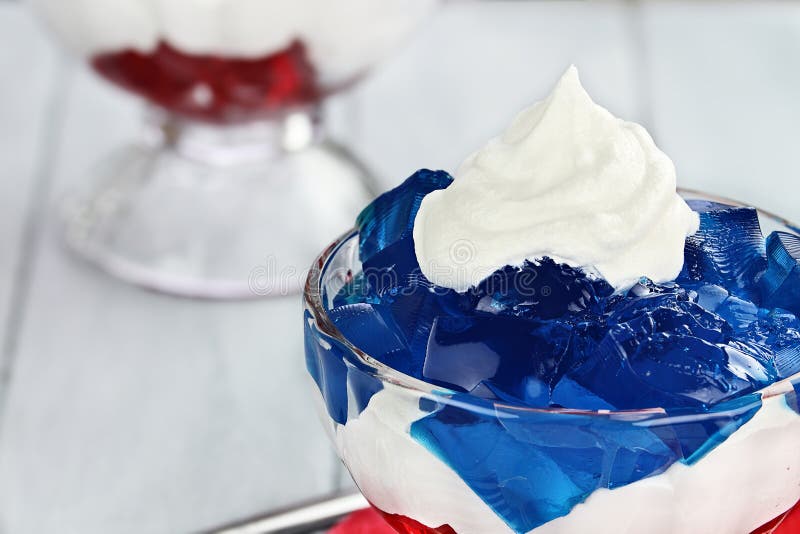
pixel 134 412
pixel 29 97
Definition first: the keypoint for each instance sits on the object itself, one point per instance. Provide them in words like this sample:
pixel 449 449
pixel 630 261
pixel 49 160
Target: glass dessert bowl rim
pixel 313 300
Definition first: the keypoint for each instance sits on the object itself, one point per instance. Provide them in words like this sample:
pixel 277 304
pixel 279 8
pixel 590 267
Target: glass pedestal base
pixel 217 212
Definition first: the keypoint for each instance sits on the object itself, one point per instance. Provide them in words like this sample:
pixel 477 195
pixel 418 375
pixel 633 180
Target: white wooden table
pixel 126 411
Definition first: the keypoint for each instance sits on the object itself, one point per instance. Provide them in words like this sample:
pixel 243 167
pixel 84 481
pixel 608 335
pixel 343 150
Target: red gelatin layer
pixel 788 523
pixel 212 88
pixel 367 521
pixel 374 521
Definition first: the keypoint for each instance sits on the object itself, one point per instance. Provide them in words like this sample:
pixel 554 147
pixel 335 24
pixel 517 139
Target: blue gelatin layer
pixel 535 467
pixel 728 249
pixel 781 281
pixel 545 335
pixel 390 217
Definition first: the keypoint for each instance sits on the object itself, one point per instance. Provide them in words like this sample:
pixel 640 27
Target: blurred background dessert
pixel 233 164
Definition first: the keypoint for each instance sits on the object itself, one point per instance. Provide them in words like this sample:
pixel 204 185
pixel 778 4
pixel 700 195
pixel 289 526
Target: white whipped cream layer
pixel 743 483
pixel 342 37
pixel 567 180
pixel 400 476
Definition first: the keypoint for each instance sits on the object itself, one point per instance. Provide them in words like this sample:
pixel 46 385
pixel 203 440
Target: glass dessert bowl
pixel 636 373
pixel 418 451
pixel 222 195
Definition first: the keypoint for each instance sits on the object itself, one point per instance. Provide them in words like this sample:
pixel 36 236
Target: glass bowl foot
pixel 208 213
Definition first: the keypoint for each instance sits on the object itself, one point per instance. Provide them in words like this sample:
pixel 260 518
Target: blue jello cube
pixel 704 206
pixel 727 250
pixel 637 366
pixel 413 309
pixel 532 467
pixel 793 398
pixel 514 358
pixel 541 290
pixel 787 359
pixel 392 268
pixel 357 291
pixel 679 373
pixel 695 432
pixel 567 393
pixel 709 296
pixel 778 332
pixel 390 217
pixel 367 329
pixel 649 308
pixel 781 281
pixel 346 387
pixel 739 313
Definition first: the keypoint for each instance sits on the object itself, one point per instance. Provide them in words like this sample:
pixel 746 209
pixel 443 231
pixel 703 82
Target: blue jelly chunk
pixel 680 374
pixel 727 250
pixel 649 308
pixel 532 467
pixel 366 328
pixel 325 364
pixel 541 290
pixel 362 386
pixel 390 217
pixel 697 432
pixel 393 268
pixel 413 309
pixel 335 373
pixel 793 397
pixel 355 292
pixel 514 358
pixel 567 393
pixel 781 281
pixel 668 357
pixel 778 332
pixel 704 206
pixel 739 313
pixel 787 359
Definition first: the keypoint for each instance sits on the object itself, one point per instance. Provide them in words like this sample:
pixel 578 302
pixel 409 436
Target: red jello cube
pixel 366 521
pixel 788 523
pixel 374 521
pixel 213 88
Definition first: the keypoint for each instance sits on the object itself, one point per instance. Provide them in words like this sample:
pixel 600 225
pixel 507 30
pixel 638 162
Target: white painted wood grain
pixel 134 412
pixel 27 64
pixel 725 78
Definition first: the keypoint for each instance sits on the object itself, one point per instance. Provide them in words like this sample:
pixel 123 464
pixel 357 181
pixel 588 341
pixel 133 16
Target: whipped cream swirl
pixel 568 181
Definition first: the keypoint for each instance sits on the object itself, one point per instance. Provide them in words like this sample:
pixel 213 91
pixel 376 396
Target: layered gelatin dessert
pixel 554 340
pixel 232 60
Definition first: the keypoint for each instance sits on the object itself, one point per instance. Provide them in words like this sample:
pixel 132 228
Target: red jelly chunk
pixel 405 525
pixel 366 521
pixel 374 521
pixel 212 88
pixel 788 523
